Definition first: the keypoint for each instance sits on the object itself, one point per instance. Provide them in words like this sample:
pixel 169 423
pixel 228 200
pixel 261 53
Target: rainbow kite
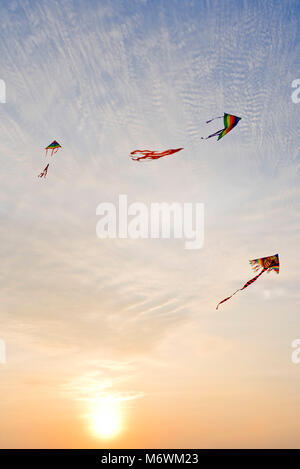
pixel 54 146
pixel 266 264
pixel 230 121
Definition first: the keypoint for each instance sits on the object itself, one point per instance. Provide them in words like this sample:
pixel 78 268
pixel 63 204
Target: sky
pixel 125 330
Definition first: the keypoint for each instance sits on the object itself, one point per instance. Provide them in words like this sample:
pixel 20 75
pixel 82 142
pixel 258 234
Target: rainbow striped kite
pixel 266 264
pixel 230 121
pixel 54 146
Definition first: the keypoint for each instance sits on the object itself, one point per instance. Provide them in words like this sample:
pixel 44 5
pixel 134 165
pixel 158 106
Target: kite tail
pixel 245 286
pixel 44 172
pixel 253 279
pixel 214 118
pixel 152 155
pixel 145 154
pixel 228 298
pixel 213 135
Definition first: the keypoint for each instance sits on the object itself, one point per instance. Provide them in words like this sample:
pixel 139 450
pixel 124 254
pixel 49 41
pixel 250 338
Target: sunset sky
pixel 116 342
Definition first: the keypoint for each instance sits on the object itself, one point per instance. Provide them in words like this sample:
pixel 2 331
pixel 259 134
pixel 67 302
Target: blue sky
pixel 83 317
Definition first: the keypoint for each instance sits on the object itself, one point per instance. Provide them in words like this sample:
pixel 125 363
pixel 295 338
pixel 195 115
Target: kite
pixel 152 155
pixel 44 172
pixel 54 146
pixel 266 264
pixel 230 121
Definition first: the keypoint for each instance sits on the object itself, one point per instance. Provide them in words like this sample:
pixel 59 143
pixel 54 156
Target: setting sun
pixel 106 419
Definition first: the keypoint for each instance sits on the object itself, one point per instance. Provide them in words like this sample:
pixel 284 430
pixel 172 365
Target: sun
pixel 106 418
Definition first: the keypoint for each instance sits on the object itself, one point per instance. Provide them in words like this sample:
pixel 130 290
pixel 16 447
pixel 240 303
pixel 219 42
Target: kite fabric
pixel 151 155
pixel 230 121
pixel 44 172
pixel 54 147
pixel 266 264
pixel 269 263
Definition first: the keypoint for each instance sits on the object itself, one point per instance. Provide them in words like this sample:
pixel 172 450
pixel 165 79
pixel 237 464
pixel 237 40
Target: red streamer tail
pixel 152 155
pixel 44 172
